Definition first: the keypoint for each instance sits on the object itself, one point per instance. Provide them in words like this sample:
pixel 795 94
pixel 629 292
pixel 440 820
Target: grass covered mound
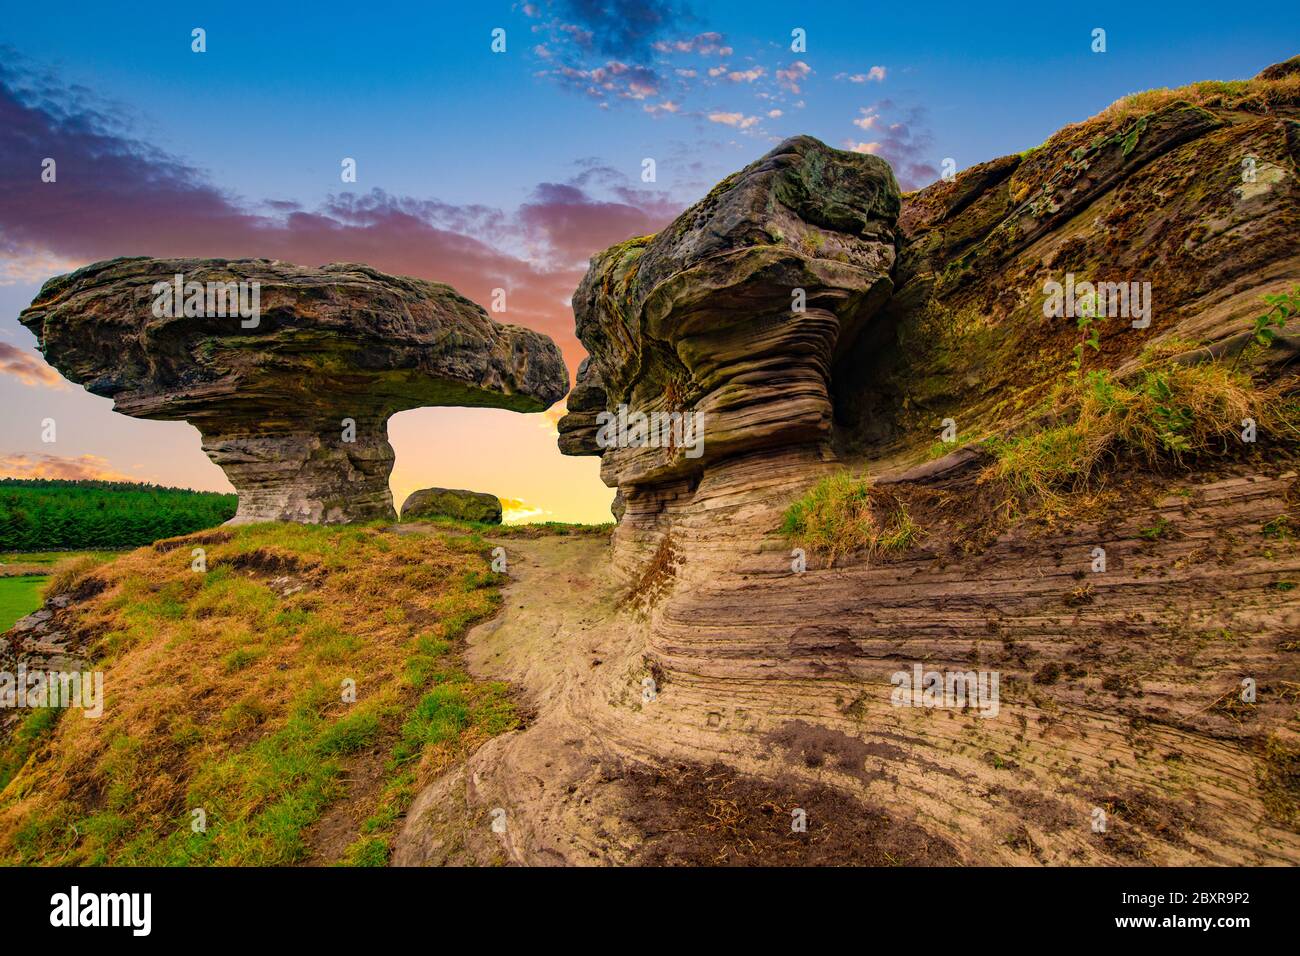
pixel 227 691
pixel 1165 417
pixel 41 514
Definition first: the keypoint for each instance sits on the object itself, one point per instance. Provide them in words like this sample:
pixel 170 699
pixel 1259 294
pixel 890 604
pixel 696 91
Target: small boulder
pixel 452 503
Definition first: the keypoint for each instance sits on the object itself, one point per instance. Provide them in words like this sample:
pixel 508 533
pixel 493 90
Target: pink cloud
pixel 875 74
pixel 28 367
pixel 737 120
pixel 901 142
pixel 793 75
pixel 117 196
pixel 703 44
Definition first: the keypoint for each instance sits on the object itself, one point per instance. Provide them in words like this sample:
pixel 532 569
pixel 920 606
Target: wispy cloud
pixel 703 44
pixel 28 367
pixel 627 29
pixel 605 49
pixel 875 74
pixel 613 79
pixel 794 75
pixel 899 138
pixel 737 120
pixel 81 468
pixel 116 195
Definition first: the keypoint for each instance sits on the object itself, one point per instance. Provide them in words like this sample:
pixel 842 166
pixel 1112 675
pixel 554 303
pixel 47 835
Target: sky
pixel 494 169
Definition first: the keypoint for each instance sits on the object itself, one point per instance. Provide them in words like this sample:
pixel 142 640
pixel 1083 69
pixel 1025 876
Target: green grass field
pixel 19 597
pixel 23 574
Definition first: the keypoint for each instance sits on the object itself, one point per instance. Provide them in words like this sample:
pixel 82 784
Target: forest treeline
pixel 49 515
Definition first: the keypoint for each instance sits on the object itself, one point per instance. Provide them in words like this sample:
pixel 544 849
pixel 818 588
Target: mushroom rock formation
pixel 293 395
pixel 735 312
pixel 584 403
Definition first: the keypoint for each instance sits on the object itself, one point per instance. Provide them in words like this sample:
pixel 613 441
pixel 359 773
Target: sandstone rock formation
pixel 1120 691
pixel 1190 190
pixel 736 313
pixel 293 403
pixel 452 503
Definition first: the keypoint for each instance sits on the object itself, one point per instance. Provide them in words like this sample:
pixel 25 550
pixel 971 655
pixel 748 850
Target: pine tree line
pixel 50 515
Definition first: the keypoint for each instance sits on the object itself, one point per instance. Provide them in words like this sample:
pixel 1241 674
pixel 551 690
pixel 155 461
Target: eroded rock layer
pixel 1119 692
pixel 1122 734
pixel 1189 193
pixel 293 402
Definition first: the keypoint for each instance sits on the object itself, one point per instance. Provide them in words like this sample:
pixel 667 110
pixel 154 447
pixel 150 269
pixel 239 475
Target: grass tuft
pixel 840 515
pixel 1166 414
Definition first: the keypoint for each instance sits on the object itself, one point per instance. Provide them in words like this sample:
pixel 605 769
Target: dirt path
pixel 554 641
pixel 553 628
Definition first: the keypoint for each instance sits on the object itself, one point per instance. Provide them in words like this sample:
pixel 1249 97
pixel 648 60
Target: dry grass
pixel 68 572
pixel 656 578
pixel 1251 96
pixel 1166 414
pixel 224 692
pixel 1278 773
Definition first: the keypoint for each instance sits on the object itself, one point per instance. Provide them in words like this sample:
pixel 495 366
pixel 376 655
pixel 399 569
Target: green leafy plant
pixel 1282 306
pixel 1089 331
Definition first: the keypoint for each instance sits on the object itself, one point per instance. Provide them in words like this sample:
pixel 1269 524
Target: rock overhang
pixel 410 342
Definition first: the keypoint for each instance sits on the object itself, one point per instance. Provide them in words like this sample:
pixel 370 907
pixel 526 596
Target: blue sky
pixel 414 94
pixel 473 165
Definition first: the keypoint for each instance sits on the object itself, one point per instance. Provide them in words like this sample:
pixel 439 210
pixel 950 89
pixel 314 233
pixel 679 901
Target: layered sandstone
pixel 1121 688
pixel 734 313
pixel 293 403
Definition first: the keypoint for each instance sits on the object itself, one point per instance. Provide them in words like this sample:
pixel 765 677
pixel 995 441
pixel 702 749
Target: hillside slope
pixel 272 694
